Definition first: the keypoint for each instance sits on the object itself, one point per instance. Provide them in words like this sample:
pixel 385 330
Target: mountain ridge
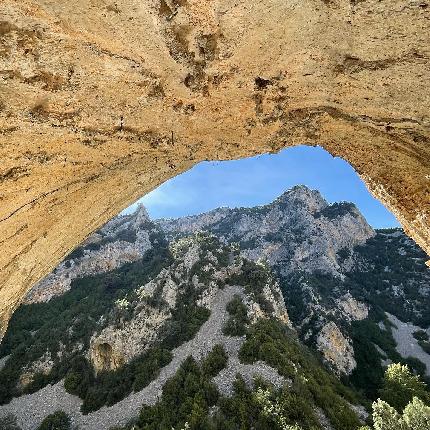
pixel 296 214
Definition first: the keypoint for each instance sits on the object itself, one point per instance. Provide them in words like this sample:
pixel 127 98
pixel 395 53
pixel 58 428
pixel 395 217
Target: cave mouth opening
pixel 242 184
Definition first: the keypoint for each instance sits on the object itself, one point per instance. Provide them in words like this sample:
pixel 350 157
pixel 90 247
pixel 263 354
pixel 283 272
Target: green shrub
pixel 186 398
pixel 76 253
pixel 270 341
pixel 57 421
pixel 236 323
pixel 421 335
pixel 215 361
pixel 400 385
pixel 343 253
pixel 416 416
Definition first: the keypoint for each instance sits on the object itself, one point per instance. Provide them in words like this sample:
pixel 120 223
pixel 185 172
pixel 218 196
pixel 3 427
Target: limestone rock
pixel 336 349
pixel 352 309
pixel 194 263
pixel 100 104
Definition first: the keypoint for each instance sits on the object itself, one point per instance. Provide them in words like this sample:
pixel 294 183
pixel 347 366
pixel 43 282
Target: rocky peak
pixel 301 195
pixel 140 216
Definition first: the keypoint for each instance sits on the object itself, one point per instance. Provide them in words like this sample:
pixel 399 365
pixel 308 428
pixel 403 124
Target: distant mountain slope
pixel 122 240
pixel 113 313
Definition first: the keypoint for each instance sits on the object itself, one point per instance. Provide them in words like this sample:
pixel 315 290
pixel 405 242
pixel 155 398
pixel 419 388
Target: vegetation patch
pixel 186 397
pixel 238 320
pixel 386 267
pixel 108 388
pixel 254 277
pixel 274 343
pixel 421 335
pixel 8 422
pixel 368 375
pixel 337 210
pixel 57 421
pixel 215 361
pixel 186 320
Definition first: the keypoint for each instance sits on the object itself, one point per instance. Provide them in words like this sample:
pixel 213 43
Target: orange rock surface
pixel 101 101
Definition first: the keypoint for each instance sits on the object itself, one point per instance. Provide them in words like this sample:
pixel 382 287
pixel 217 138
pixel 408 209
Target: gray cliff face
pixel 122 240
pixel 298 231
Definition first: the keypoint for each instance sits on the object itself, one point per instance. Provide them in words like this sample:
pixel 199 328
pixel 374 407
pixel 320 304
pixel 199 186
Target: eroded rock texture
pixel 101 101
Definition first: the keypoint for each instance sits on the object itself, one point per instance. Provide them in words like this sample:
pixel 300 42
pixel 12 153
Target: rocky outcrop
pixel 100 103
pixel 126 338
pixel 352 309
pixel 104 358
pixel 336 349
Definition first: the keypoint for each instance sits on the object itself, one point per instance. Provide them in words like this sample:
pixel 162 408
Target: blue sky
pixel 259 180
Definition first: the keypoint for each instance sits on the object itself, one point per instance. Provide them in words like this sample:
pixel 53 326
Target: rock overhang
pixel 99 104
